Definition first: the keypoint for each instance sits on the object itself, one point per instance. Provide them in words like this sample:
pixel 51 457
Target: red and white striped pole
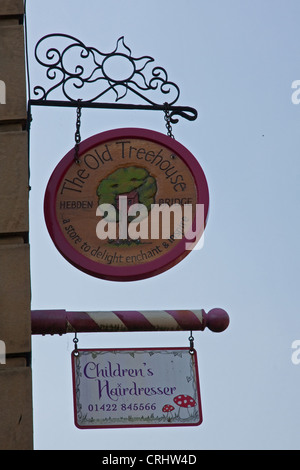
pixel 59 322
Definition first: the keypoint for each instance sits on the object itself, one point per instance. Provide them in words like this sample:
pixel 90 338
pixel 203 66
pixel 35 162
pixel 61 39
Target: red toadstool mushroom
pixel 184 401
pixel 168 409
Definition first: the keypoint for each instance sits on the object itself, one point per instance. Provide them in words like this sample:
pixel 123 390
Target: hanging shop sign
pixel 135 388
pixel 132 204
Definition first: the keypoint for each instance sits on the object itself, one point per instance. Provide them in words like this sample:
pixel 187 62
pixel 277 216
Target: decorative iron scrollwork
pixel 85 73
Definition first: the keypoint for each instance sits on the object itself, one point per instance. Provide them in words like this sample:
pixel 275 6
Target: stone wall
pixel 16 422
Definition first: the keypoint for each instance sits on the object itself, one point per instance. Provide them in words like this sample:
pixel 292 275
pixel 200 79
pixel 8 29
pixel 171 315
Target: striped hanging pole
pixel 53 322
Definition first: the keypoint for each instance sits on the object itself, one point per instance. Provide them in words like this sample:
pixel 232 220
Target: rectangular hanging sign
pixel 135 388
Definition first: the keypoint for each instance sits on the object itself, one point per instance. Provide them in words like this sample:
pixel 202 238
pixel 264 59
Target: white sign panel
pixel 136 388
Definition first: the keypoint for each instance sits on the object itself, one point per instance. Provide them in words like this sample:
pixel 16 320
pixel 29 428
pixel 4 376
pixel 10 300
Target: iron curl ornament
pixel 84 73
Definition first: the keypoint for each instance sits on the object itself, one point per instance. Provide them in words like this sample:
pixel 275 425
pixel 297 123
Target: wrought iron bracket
pixel 79 72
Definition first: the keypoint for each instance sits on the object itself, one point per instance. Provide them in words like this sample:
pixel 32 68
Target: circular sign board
pixel 132 207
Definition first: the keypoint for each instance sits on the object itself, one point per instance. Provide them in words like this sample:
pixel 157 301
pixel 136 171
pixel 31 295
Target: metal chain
pixel 75 341
pixel 77 133
pixel 191 340
pixel 168 121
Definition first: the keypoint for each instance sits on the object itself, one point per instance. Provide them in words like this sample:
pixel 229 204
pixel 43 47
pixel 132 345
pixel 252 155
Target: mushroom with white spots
pixel 168 409
pixel 184 401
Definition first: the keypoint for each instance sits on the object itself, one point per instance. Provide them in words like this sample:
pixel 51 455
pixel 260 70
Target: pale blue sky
pixel 234 61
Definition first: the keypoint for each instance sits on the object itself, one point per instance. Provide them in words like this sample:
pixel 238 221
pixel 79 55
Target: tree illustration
pixel 134 182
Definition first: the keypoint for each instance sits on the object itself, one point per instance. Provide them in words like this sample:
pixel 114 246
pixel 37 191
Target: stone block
pixel 13 182
pixel 15 297
pixel 16 428
pixel 12 74
pixel 11 7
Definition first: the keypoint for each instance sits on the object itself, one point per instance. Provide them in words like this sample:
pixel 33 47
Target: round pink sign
pixel 133 206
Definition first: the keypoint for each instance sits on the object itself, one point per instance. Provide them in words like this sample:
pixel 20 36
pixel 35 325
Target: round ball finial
pixel 217 320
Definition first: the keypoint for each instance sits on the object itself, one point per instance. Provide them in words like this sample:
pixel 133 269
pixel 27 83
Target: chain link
pixel 77 133
pixel 191 340
pixel 75 341
pixel 168 121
